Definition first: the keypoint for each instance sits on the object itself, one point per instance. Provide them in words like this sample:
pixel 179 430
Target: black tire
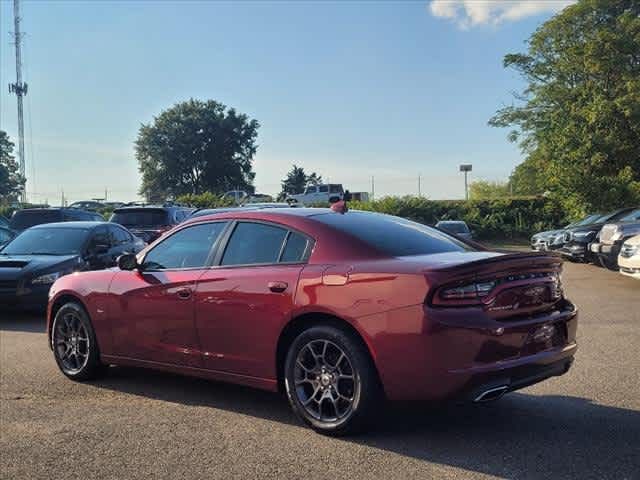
pixel 366 392
pixel 72 329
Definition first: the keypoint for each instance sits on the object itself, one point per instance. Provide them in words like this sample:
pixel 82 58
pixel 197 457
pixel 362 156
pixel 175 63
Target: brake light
pixel 466 292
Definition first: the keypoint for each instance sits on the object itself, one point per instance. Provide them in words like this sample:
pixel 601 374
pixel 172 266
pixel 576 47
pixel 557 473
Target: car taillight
pixel 467 292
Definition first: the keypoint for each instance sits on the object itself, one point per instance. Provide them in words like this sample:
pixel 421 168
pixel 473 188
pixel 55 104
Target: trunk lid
pixel 506 285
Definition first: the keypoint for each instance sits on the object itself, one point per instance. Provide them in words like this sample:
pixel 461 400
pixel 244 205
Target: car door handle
pixel 278 287
pixel 184 294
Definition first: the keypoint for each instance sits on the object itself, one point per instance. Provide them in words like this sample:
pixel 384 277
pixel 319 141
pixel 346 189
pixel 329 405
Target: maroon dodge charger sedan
pixel 339 310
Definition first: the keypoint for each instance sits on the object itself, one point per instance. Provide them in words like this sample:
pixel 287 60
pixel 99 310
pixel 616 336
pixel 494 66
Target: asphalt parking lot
pixel 140 424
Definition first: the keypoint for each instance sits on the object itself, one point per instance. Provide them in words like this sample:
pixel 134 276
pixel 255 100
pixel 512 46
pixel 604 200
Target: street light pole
pixel 466 168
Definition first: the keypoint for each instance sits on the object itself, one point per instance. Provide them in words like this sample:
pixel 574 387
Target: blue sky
pixel 348 89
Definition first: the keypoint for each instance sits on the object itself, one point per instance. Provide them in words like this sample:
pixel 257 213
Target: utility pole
pixel 373 187
pixel 419 187
pixel 466 168
pixel 20 89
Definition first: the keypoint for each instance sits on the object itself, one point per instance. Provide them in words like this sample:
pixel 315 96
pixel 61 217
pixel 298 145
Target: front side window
pixel 310 190
pixel 100 237
pixel 187 248
pixel 120 236
pixel 254 243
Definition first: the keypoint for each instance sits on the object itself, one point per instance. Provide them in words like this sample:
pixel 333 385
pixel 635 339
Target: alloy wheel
pixel 326 384
pixel 71 342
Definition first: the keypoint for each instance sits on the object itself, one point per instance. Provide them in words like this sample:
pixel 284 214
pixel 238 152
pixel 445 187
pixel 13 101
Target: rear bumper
pixel 429 354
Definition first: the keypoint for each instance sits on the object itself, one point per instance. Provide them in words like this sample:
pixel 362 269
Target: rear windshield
pixel 24 219
pixel 143 217
pixel 394 236
pixel 453 227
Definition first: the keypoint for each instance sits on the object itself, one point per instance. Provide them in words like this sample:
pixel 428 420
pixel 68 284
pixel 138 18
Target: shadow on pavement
pixel 520 436
pixel 20 321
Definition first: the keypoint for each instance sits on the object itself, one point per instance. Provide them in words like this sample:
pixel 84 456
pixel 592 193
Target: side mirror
pixel 127 261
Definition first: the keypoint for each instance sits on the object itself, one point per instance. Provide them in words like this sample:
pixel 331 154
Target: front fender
pixel 91 290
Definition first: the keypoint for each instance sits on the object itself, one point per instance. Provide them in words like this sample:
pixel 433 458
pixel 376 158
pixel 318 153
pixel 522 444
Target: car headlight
pixel 46 279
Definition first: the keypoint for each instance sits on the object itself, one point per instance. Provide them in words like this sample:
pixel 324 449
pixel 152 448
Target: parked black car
pixel 612 236
pixel 87 205
pixel 546 240
pixel 29 217
pixel 37 257
pixel 6 235
pixel 576 239
pixel 456 227
pixel 149 222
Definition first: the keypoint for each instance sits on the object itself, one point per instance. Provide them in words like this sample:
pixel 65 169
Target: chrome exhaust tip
pixel 491 394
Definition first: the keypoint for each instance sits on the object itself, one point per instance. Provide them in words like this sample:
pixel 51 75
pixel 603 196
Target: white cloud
pixel 471 13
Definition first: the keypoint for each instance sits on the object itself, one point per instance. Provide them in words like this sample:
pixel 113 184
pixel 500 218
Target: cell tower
pixel 20 89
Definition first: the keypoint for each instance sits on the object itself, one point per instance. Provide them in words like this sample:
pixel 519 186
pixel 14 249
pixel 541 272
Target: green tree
pixel 578 119
pixel 194 147
pixel 485 190
pixel 11 182
pixel 296 180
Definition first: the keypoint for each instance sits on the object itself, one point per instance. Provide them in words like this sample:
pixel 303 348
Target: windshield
pixel 143 217
pixel 588 220
pixel 24 219
pixel 453 227
pixel 635 215
pixel 47 241
pixel 393 235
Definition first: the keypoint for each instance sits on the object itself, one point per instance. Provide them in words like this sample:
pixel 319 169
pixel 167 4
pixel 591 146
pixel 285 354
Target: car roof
pixel 452 221
pixel 47 209
pixel 264 212
pixel 78 225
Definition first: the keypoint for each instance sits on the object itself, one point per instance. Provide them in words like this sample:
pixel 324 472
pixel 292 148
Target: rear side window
pixel 187 248
pixel 295 249
pixel 24 219
pixel 391 235
pixel 254 243
pixel 323 188
pixel 335 188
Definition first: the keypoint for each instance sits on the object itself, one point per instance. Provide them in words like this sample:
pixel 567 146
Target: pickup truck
pixel 323 193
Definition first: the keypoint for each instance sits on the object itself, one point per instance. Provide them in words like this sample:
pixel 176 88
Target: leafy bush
pixel 204 200
pixel 490 219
